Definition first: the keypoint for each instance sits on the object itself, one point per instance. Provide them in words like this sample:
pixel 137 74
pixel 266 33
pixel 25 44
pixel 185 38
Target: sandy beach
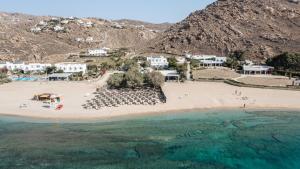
pixel 180 96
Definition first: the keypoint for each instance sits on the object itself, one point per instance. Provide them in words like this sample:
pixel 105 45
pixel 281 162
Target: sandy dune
pixel 190 95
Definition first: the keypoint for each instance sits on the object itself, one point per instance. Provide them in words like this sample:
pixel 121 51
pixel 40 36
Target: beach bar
pixel 59 77
pixel 47 97
pixel 170 75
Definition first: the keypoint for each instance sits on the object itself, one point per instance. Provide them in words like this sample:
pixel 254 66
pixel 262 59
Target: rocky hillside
pixel 262 28
pixel 34 38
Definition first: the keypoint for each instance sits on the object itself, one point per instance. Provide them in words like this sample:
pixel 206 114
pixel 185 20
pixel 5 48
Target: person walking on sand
pixel 244 106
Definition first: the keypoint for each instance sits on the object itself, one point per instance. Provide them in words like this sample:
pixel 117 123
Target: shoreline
pixel 181 98
pixel 116 117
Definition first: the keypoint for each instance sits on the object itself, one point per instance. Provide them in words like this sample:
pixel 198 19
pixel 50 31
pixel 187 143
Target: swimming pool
pixel 24 79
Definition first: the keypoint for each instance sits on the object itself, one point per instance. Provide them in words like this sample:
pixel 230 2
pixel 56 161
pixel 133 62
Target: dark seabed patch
pixel 219 140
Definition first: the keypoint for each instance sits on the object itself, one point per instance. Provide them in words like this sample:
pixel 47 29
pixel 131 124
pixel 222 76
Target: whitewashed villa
pixel 31 67
pixel 71 67
pixel 158 61
pixel 257 69
pixel 97 52
pixel 209 60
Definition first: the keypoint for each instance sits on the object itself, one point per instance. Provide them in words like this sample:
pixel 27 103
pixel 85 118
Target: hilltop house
pixel 97 52
pixel 65 21
pixel 209 60
pixel 42 23
pixel 89 39
pixel 54 19
pixel 58 28
pixel 71 67
pixel 88 24
pixel 158 61
pixel 79 39
pixel 80 22
pixel 36 30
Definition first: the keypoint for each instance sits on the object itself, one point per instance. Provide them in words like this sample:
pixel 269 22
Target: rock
pixel 228 25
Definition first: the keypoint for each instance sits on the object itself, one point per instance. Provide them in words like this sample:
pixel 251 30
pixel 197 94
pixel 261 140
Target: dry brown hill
pixel 262 28
pixel 19 42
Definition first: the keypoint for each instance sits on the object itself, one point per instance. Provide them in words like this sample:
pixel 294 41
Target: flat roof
pixel 257 67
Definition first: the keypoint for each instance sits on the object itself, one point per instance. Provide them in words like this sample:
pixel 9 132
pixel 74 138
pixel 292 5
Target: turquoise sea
pixel 215 139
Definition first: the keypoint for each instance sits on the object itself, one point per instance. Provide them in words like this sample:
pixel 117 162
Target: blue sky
pixel 147 10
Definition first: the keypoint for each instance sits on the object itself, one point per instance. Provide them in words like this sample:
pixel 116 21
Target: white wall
pixel 97 52
pixel 158 61
pixel 71 67
pixel 26 67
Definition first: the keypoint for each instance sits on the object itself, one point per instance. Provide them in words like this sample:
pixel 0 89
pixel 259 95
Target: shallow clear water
pixel 24 79
pixel 216 139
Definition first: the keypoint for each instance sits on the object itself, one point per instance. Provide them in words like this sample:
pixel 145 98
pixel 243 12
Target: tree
pixel 108 65
pixel 59 71
pixel 172 63
pixel 116 81
pixel 128 64
pixel 194 63
pixel 286 62
pixel 3 76
pixel 181 69
pixel 156 79
pixel 92 67
pixel 50 69
pixel 235 59
pixel 4 70
pixel 134 78
pixel 145 64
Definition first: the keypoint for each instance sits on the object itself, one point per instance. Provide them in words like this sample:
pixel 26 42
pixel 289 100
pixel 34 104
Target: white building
pixel 58 28
pixel 42 23
pixel 88 24
pixel 158 61
pixel 2 65
pixel 71 18
pixel 257 69
pixel 209 60
pixel 64 21
pixel 36 29
pixel 170 75
pixel 71 67
pixel 79 39
pixel 117 26
pixel 89 39
pixel 36 67
pixel 80 22
pixel 31 67
pixel 297 83
pixel 180 60
pixel 97 52
pixel 54 19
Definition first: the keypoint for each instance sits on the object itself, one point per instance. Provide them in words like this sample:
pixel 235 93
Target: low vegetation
pixel 4 78
pixel 181 68
pixel 135 79
pixel 235 60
